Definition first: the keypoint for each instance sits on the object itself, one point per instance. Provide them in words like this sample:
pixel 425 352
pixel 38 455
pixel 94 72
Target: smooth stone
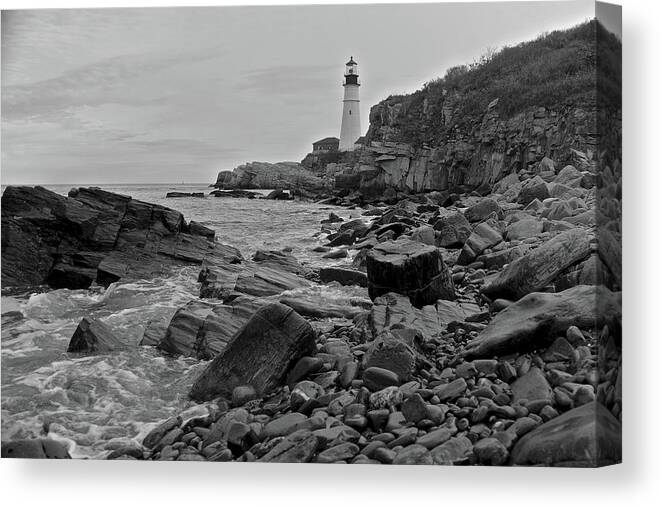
pixel 413 455
pixel 242 395
pixel 376 379
pixel 340 452
pixel 454 450
pixel 586 436
pixel 490 451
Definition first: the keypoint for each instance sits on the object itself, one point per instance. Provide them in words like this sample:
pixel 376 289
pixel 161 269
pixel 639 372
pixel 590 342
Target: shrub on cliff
pixel 556 70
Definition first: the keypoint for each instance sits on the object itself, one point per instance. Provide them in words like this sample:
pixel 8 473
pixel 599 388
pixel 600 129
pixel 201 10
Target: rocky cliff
pixel 502 115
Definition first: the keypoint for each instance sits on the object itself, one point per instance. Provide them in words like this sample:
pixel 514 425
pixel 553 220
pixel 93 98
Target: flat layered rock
pixel 93 235
pixel 410 268
pixel 537 319
pixel 393 310
pixel 260 354
pixel 203 330
pixel 311 307
pixel 539 267
pixel 268 281
pixel 587 436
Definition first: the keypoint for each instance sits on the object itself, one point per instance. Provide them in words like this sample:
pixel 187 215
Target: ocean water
pixel 96 403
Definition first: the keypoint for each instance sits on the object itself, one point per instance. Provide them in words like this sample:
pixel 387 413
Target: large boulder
pixel 485 235
pixel 410 268
pixel 537 319
pixel 524 229
pixel 391 353
pixel 93 235
pixel 260 354
pixel 93 336
pixel 541 266
pixel 535 188
pixel 481 210
pixel 569 176
pixel 587 436
pixel 452 230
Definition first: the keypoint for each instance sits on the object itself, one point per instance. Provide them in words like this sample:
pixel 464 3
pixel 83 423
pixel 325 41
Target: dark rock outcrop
pixel 260 354
pixel 236 194
pixel 262 175
pixel 93 336
pixel 184 194
pixel 94 236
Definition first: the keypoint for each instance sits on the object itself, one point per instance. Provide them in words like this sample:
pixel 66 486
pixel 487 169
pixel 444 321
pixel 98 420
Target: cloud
pixel 106 81
pixel 289 79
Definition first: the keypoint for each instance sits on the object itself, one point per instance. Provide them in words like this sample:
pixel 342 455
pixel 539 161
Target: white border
pixel 636 482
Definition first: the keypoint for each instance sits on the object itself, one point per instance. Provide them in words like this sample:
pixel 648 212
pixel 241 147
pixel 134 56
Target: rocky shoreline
pixel 491 334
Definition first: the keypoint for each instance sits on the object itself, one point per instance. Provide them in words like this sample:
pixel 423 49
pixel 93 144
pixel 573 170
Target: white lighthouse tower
pixel 350 131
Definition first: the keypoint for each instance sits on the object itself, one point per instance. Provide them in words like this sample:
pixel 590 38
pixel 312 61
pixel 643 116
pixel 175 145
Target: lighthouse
pixel 350 130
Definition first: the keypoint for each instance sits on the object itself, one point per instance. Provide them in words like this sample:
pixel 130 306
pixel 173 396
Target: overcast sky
pixel 177 94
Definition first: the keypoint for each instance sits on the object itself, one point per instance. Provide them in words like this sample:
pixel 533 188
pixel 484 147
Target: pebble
pixel 547 413
pixel 242 395
pixel 384 455
pixel 413 455
pixel 340 452
pixel 490 451
pixel 376 378
pixel 466 370
pixel 452 390
pixel 575 336
pixel 436 437
pixel 414 409
pixel 406 438
pixel 378 418
pixel 395 420
pixel 284 425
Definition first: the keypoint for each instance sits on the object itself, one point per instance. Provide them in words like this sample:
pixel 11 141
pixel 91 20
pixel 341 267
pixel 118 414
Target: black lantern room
pixel 351 73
